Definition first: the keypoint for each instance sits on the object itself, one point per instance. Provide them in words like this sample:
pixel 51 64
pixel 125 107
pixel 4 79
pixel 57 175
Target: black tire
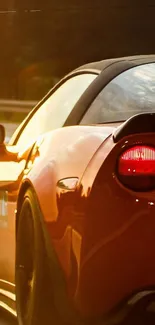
pixel 33 288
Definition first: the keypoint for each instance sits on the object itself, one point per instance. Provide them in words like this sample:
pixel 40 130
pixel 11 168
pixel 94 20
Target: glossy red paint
pixel 64 161
pixel 117 251
pixel 109 228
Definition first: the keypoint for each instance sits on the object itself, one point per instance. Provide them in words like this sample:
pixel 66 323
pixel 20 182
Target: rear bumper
pixel 118 265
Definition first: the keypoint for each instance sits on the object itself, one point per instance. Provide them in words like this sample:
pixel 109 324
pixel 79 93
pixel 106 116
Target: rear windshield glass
pixel 130 93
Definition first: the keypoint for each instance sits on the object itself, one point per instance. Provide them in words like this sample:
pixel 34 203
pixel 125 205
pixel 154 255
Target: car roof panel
pixel 101 65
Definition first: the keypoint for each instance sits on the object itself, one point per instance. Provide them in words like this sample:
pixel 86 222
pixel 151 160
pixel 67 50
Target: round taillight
pixel 136 168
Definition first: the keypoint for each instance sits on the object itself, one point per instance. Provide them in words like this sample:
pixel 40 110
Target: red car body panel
pixel 64 161
pixel 109 228
pixel 118 250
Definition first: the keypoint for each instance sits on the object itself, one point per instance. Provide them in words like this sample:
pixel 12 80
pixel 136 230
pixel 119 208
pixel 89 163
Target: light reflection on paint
pixel 7 282
pixel 8 294
pixel 9 309
pixel 150 203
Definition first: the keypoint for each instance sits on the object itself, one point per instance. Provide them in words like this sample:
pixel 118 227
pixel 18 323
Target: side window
pixel 132 92
pixel 55 110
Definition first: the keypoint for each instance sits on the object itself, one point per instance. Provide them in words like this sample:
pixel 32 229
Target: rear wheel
pixel 33 288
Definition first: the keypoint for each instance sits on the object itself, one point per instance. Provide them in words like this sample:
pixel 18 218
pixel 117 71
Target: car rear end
pixel 117 195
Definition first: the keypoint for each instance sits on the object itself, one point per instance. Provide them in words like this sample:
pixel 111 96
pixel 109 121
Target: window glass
pixel 55 110
pixel 130 93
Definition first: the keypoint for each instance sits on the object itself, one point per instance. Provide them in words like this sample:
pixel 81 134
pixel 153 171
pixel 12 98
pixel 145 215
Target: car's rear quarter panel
pixel 64 153
pixel 107 228
pixel 117 252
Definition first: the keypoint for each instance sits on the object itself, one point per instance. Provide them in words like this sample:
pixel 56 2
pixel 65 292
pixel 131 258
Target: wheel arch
pixel 61 298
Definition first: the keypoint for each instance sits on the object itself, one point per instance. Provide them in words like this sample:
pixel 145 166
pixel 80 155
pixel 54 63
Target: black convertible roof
pixel 101 65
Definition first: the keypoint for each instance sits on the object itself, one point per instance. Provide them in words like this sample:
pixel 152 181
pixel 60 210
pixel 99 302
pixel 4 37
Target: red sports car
pixel 81 169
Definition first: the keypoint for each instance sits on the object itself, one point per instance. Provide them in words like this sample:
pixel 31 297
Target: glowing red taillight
pixel 136 167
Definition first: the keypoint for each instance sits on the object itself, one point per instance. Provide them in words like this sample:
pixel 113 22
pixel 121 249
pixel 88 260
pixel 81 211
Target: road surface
pixel 9 130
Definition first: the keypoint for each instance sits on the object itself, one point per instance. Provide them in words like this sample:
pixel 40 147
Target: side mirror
pixel 2 134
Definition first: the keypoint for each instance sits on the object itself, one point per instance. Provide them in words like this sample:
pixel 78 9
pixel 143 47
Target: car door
pixel 51 115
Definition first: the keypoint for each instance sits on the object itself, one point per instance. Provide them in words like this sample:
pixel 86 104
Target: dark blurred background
pixel 41 40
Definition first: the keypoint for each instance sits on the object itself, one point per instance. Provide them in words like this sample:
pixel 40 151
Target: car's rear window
pixel 130 93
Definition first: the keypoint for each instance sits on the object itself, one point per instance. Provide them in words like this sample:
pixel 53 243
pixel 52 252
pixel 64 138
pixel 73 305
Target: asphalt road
pixel 6 319
pixel 9 129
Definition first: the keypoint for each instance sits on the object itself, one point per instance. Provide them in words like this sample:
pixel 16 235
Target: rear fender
pixel 45 188
pixel 119 225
